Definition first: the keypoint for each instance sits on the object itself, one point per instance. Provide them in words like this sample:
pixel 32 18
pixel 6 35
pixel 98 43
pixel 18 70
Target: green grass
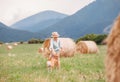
pixel 24 64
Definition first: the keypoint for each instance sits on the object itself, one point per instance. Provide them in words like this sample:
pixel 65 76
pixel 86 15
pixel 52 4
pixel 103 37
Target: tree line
pixel 98 38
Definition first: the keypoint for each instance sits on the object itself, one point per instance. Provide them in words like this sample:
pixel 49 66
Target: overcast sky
pixel 12 11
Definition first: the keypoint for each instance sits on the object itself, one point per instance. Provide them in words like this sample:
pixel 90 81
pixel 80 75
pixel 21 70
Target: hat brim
pixel 55 36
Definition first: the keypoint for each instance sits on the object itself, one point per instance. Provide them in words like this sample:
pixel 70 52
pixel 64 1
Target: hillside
pixel 91 19
pixel 8 34
pixel 39 21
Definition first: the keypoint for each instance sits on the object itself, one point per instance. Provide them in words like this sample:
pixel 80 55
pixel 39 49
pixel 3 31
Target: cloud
pixel 15 10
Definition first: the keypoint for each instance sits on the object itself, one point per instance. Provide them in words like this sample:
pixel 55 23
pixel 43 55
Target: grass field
pixel 24 64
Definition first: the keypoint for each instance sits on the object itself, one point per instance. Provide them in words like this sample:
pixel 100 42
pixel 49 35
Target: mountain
pixel 8 34
pixel 91 19
pixel 39 21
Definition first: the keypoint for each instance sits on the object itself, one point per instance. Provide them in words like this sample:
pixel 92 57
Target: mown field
pixel 24 64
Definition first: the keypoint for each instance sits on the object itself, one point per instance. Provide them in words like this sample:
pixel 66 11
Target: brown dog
pixel 112 63
pixel 53 62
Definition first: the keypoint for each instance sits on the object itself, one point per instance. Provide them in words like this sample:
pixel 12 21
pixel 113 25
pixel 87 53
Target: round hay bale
pixel 9 47
pixel 68 47
pixel 15 44
pixel 86 47
pixel 46 44
pixel 40 50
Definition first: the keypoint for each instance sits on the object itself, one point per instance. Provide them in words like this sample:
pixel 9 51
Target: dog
pixel 53 62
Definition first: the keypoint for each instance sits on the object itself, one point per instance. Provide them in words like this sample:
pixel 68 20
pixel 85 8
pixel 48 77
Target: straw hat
pixel 55 34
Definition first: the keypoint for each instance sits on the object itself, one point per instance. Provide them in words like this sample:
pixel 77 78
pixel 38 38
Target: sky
pixel 12 11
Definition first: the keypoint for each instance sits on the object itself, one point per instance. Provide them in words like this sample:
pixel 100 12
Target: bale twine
pixel 86 47
pixel 68 47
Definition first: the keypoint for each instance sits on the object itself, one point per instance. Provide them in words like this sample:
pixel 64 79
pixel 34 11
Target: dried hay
pixel 85 47
pixel 15 44
pixel 9 47
pixel 40 50
pixel 112 61
pixel 46 45
pixel 68 47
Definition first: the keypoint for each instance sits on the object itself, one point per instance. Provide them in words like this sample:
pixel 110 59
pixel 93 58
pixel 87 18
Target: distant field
pixel 24 64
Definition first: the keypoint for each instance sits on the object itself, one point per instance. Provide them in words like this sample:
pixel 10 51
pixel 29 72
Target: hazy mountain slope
pixel 39 21
pixel 91 19
pixel 7 34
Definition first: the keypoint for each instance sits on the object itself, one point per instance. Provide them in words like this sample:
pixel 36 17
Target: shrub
pixel 21 42
pixel 1 42
pixel 93 37
pixel 35 41
pixel 99 39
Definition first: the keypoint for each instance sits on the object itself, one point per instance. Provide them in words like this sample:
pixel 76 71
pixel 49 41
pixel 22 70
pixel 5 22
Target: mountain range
pixel 39 21
pixel 96 18
pixel 93 18
pixel 8 34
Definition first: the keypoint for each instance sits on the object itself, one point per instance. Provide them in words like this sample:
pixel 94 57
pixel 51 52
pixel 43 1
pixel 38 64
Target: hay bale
pixel 9 47
pixel 46 45
pixel 68 47
pixel 40 50
pixel 112 61
pixel 85 47
pixel 15 44
pixel 6 43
